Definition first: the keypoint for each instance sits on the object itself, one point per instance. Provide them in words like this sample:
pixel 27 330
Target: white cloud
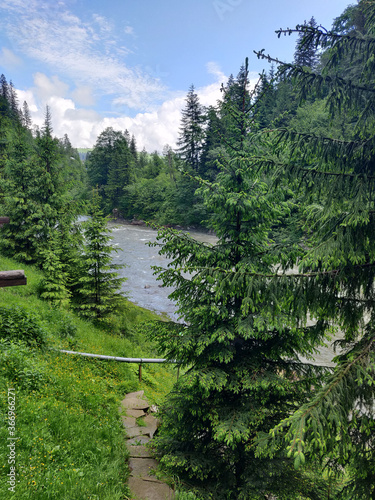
pixel 152 130
pixel 83 95
pixel 214 69
pixel 8 59
pixel 129 30
pixel 87 51
pixel 47 87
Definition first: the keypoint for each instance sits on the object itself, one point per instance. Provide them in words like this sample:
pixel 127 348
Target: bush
pixel 19 366
pixel 66 328
pixel 18 324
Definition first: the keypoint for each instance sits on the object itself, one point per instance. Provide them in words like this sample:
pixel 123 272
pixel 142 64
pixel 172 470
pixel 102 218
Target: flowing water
pixel 142 286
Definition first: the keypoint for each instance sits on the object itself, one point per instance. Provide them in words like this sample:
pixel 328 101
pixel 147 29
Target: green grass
pixel 70 439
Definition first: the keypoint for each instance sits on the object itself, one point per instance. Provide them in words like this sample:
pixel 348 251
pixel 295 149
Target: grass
pixel 70 440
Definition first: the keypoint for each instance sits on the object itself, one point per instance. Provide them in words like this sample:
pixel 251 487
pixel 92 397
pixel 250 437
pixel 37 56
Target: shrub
pixel 17 324
pixel 19 366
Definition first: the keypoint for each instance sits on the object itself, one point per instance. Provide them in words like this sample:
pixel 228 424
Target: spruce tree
pixel 306 52
pixel 237 341
pixel 26 117
pixel 98 285
pixel 32 193
pixel 191 135
pixel 110 166
pixel 337 269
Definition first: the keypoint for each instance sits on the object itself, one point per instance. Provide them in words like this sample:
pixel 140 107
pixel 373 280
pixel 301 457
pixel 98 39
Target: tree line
pixel 44 188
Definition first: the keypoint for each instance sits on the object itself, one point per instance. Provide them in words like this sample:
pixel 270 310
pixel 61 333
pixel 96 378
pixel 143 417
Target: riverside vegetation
pixel 284 175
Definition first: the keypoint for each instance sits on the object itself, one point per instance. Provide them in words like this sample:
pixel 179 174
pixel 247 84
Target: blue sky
pixel 128 64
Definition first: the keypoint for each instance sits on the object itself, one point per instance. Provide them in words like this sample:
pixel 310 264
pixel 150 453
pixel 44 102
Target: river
pixel 142 286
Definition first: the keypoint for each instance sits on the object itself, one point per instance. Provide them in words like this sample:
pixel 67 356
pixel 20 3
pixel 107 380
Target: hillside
pixel 69 437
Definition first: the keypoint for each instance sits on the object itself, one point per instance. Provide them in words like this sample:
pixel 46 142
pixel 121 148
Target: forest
pixel 283 175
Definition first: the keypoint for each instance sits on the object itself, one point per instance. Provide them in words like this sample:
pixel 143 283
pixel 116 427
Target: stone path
pixel 143 485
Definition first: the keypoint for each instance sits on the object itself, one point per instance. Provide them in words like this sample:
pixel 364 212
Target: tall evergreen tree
pixel 212 145
pixel 190 140
pixel 98 286
pixel 33 193
pixel 337 270
pixel 238 342
pixel 306 52
pixel 26 117
pixel 110 166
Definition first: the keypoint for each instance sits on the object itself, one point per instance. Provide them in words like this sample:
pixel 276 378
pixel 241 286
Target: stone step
pixel 135 404
pixel 143 484
pixel 147 490
pixel 139 452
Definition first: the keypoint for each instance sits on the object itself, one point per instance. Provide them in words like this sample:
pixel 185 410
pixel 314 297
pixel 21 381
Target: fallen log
pixel 12 278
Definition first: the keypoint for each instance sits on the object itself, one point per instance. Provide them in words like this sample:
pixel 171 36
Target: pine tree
pixel 26 117
pixel 98 286
pixel 239 345
pixel 13 101
pixel 133 148
pixel 306 52
pixel 54 286
pixel 337 270
pixel 212 146
pixel 32 193
pixel 110 166
pixel 191 135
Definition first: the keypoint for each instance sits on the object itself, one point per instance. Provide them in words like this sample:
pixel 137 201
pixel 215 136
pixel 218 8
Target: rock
pixel 147 490
pixel 129 421
pixel 135 413
pixel 142 483
pixel 138 222
pixel 135 404
pixel 139 431
pixel 138 440
pixel 138 394
pixel 142 467
pixel 139 452
pixel 151 425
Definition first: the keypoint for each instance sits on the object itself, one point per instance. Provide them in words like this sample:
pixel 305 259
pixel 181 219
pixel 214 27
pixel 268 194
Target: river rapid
pixel 142 286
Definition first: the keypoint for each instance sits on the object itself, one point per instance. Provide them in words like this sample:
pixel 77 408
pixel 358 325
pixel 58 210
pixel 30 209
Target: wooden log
pixel 12 278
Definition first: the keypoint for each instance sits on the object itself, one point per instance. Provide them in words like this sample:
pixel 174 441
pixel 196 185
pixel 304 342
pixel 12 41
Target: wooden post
pixel 11 278
pixel 140 373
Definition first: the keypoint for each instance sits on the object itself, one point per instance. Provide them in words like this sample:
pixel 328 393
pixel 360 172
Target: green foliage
pixel 20 367
pixel 334 171
pixel 98 285
pixel 54 285
pixel 70 436
pixel 17 324
pixel 238 343
pixel 110 166
pixel 191 135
